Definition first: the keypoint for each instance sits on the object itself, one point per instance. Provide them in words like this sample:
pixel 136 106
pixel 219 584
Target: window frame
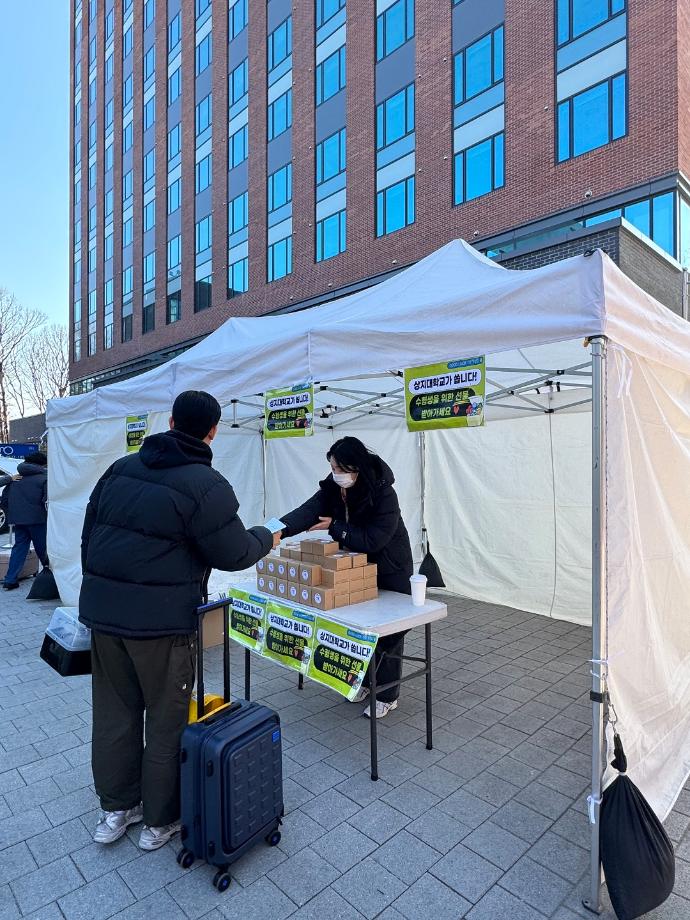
pixel 463 153
pixel 609 82
pixel 271 61
pixel 612 13
pixel 463 52
pixel 320 82
pixel 383 210
pixel 382 26
pixel 321 231
pixel 382 142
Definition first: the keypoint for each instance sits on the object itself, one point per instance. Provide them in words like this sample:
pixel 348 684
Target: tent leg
pixel 593 902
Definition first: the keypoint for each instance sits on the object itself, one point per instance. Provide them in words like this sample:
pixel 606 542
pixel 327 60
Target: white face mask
pixel 344 480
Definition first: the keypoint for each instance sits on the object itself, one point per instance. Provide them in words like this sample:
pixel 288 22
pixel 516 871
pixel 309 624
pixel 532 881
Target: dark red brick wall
pixel 535 185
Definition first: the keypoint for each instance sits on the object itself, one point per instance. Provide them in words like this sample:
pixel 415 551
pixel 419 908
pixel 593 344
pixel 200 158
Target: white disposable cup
pixel 418 584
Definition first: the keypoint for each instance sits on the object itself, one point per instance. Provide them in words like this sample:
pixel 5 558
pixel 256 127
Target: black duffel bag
pixel 44 587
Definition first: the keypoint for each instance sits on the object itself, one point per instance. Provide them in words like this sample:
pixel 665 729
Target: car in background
pixel 8 467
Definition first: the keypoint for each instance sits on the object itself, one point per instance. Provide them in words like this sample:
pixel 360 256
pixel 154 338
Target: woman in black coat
pixel 358 507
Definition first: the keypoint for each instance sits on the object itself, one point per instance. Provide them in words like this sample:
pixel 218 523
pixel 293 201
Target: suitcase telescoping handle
pixel 223 604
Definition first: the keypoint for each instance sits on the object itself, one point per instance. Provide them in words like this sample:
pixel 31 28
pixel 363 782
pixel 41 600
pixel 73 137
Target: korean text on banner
pixel 289 412
pixel 247 619
pixel 288 636
pixel 447 395
pixel 340 657
pixel 135 431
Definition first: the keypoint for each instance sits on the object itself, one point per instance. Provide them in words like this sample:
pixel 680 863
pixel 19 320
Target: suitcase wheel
pixel 185 858
pixel 273 839
pixel 221 880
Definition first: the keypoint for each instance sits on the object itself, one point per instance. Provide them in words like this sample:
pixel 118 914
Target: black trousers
pixel 141 692
pixel 390 648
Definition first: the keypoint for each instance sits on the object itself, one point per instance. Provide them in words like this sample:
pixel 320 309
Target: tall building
pixel 238 157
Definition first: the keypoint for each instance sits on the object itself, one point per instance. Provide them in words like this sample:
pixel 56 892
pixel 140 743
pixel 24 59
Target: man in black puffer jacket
pixel 156 523
pixel 26 502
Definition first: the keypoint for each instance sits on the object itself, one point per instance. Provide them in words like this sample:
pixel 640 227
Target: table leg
pixel 247 674
pixel 300 682
pixel 427 648
pixel 373 720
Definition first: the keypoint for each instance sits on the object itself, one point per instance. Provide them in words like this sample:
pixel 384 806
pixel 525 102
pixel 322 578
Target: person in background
pixel 26 502
pixel 357 505
pixel 157 522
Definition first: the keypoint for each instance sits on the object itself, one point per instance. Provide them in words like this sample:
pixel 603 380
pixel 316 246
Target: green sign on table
pixel 340 656
pixel 289 635
pixel 135 431
pixel 447 395
pixel 289 412
pixel 248 619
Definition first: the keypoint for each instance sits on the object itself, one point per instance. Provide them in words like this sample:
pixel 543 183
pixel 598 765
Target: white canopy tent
pixel 513 511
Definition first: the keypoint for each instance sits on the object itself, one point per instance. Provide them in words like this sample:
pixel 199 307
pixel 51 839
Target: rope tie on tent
pixel 593 802
pixel 625 373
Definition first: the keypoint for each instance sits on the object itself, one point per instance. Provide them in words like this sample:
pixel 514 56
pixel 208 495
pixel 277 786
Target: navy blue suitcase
pixel 231 776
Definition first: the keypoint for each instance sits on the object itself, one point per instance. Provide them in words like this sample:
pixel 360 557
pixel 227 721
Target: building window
pixel 109 68
pixel 173 142
pixel 77 330
pixel 203 173
pixel 279 259
pixel 394 27
pixel 330 157
pixel 173 308
pixel 202 294
pixel 91 350
pixel 238 277
pixel 575 17
pixel 127 137
pixel 127 326
pixel 93 10
pixel 77 112
pixel 238 84
pixel 280 44
pixel 280 115
pixel 150 165
pixel 174 33
pixel 238 17
pixel 149 113
pixel 592 118
pixel 326 9
pixel 204 114
pixel 92 91
pixel 92 175
pixel 395 207
pixel 77 75
pixel 174 195
pixel 108 247
pixel 92 219
pixel 239 147
pixel 150 63
pixel 149 12
pixel 148 318
pixel 330 236
pixel 77 232
pixel 478 67
pixel 108 157
pixel 92 258
pixel 127 231
pixel 92 53
pixel 479 169
pixel 127 185
pixel 127 43
pixel 395 117
pixel 202 6
pixel 92 136
pixel 174 85
pixel 330 76
pixel 203 234
pixel 174 256
pixel 109 108
pixel 127 91
pixel 150 215
pixel 204 54
pixel 238 213
pixel 108 314
pixel 108 204
pixel 77 271
pixel 280 188
pixel 127 281
pixel 109 24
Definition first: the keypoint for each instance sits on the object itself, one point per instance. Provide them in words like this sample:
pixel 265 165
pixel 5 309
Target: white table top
pixel 389 613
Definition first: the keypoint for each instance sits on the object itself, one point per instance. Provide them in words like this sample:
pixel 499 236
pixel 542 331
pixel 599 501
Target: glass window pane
pixel 498 54
pixel 563 21
pixel 478 67
pixel 395 207
pixel 588 13
pixel 395 118
pixel 478 170
pixel 662 222
pixel 379 214
pixel 684 248
pixel 459 91
pixel 638 215
pixel 591 119
pixel 563 131
pixel 395 26
pixel 409 188
pixel 499 176
pixel 618 103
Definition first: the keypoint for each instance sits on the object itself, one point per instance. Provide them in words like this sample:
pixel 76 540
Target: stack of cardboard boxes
pixel 317 573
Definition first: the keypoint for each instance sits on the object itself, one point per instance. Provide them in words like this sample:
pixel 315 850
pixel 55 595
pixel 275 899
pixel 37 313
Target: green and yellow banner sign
pixel 289 412
pixel 289 634
pixel 447 395
pixel 340 656
pixel 136 427
pixel 248 619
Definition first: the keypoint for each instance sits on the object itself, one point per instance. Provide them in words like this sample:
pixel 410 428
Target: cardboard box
pixel 293 593
pixel 262 567
pixel 293 571
pixel 309 574
pixel 356 576
pixel 271 585
pixel 262 582
pixel 371 569
pixel 319 547
pixel 282 570
pixel 370 594
pixel 357 597
pixel 30 566
pixel 323 598
pixel 282 589
pixel 342 599
pixel 341 581
pixel 287 551
pixel 271 565
pixel 213 628
pixel 305 595
pixel 359 560
pixel 338 562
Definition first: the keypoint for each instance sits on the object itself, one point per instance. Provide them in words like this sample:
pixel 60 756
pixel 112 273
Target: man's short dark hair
pixel 37 457
pixel 196 413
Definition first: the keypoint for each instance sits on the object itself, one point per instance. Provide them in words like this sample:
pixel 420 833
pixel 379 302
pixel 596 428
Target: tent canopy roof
pixel 454 303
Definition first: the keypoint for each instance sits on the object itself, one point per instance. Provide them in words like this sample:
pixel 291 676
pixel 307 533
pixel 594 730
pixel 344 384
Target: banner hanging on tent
pixel 248 619
pixel 288 636
pixel 289 412
pixel 340 656
pixel 136 427
pixel 446 395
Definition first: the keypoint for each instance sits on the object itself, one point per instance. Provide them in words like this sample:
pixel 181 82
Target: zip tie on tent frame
pixel 592 804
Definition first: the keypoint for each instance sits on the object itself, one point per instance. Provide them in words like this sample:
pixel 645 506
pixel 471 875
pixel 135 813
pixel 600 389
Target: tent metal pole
pixel 598 345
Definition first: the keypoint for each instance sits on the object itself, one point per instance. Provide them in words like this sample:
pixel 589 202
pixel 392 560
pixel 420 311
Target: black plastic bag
pixel 430 568
pixel 44 587
pixel 636 853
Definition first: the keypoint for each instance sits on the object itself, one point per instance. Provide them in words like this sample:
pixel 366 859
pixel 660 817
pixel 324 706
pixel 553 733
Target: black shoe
pixel 12 586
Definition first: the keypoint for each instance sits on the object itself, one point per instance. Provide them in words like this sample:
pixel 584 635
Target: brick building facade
pixel 502 103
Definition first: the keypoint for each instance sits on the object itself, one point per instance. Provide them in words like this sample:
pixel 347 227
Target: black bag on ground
pixel 430 568
pixel 636 853
pixel 44 587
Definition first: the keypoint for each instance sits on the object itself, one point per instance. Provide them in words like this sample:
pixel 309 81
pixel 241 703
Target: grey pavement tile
pixel 303 875
pixel 299 831
pixel 38 793
pixel 78 756
pixel 369 888
pixel 499 904
pixel 351 760
pixel 574 827
pixel 464 765
pixel 465 728
pixel 521 821
pixel 546 801
pixel 439 830
pixel 570 784
pixel 411 799
pixel 194 892
pixel 429 897
pixel 536 885
pixel 676 824
pixel 513 771
pixel 318 777
pixel 561 856
pixel 98 900
pixel 327 903
pixel 407 857
pixel 682 886
pixel 8 906
pixel 344 846
pixel 683 802
pixel 18 758
pixel 492 789
pixel 395 770
pixel 46 884
pixel 445 742
pixel 330 808
pixel 59 743
pixel 533 756
pixel 496 844
pixel 151 871
pixel 95 859
pixel 157 906
pixel 257 862
pixel 379 821
pixel 60 840
pixel 295 795
pixel 467 873
pixel 337 739
pixel 20 827
pixel 10 780
pixel 309 752
pixel 49 912
pixel 75 778
pixel 26 736
pixel 40 769
pixel 467 808
pixel 15 861
pixel 675 908
pixel 259 901
pixel 5 811
pixel 362 790
pixel 485 749
pixel 503 734
pixel 439 781
pixel 576 762
pixel 71 805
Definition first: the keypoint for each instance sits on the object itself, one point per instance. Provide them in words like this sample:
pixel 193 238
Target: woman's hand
pixel 324 524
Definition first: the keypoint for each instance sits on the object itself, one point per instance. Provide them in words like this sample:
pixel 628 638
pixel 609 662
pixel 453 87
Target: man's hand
pixel 276 539
pixel 16 478
pixel 324 524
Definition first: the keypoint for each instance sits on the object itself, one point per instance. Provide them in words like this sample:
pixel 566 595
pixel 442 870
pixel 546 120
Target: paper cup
pixel 418 584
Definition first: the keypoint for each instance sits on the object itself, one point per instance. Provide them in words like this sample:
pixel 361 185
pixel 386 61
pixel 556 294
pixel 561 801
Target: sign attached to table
pixel 248 619
pixel 289 413
pixel 447 395
pixel 289 635
pixel 136 427
pixel 340 657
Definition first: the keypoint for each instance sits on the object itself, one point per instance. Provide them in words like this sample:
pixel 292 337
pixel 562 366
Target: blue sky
pixel 34 153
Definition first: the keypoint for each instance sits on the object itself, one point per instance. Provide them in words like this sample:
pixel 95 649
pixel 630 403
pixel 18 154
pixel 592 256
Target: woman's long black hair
pixel 354 457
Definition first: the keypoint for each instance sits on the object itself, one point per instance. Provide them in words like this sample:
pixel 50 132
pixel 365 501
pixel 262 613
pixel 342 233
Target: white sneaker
pixel 153 838
pixel 362 694
pixel 113 824
pixel 382 709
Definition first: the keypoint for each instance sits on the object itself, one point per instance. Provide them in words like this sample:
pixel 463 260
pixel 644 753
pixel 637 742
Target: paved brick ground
pixel 490 825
